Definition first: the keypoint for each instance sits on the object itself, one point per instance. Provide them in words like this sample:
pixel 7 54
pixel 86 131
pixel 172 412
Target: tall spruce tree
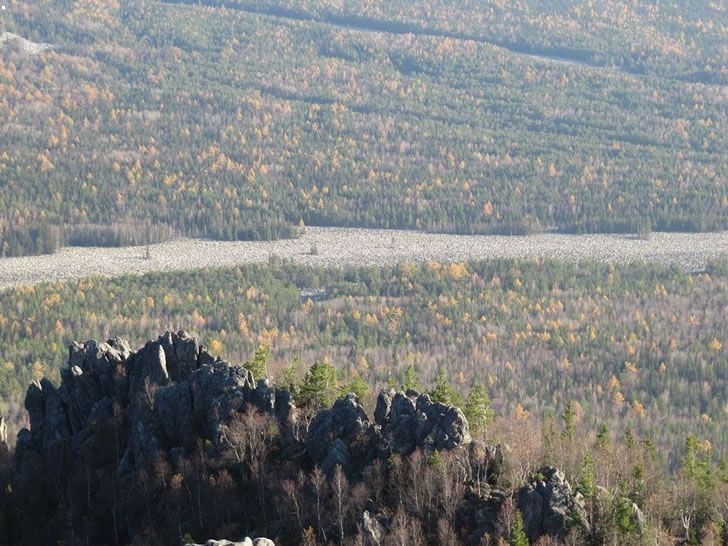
pixel 320 387
pixel 259 365
pixel 518 535
pixel 478 409
pixel 411 379
pixel 444 392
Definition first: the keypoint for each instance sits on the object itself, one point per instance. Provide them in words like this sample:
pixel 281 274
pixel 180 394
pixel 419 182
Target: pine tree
pixel 291 378
pixel 548 437
pixel 723 471
pixel 411 379
pixel 629 440
pixel 602 436
pixel 518 535
pixel 478 409
pixel 624 516
pixel 697 463
pixel 569 418
pixel 587 481
pixel 444 392
pixel 258 366
pixel 320 386
pixel 356 385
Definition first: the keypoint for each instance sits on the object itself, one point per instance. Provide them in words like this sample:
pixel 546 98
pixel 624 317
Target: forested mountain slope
pixel 241 121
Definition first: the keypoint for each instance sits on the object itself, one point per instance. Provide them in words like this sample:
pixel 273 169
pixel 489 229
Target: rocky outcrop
pixel 411 420
pixel 374 528
pixel 343 435
pixel 478 515
pixel 549 506
pixel 245 542
pixel 547 503
pixel 163 415
pixel 167 395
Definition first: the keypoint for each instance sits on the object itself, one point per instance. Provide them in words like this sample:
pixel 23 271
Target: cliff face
pixel 119 414
pixel 158 402
pixel 170 443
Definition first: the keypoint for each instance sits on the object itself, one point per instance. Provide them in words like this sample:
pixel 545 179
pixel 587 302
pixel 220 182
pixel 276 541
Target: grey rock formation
pixel 341 435
pixel 548 505
pixel 410 420
pixel 485 463
pixel 245 542
pixel 478 515
pixel 373 528
pixel 384 406
pixel 3 432
pixel 152 403
pixel 124 418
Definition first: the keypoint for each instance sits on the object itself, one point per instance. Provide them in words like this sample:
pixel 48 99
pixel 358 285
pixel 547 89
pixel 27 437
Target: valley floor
pixel 361 247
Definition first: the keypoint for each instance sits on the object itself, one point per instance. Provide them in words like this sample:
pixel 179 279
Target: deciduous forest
pixel 626 342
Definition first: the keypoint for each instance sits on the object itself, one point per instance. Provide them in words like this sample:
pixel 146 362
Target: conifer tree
pixel 587 481
pixel 356 385
pixel 444 392
pixel 569 418
pixel 258 366
pixel 602 436
pixel 518 536
pixel 291 378
pixel 320 387
pixel 411 380
pixel 478 409
pixel 629 438
pixel 697 464
pixel 548 437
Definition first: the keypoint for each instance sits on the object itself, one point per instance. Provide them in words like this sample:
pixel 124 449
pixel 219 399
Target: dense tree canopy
pixel 623 343
pixel 156 118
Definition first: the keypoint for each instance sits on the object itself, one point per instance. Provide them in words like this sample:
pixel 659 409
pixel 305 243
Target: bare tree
pixel 506 518
pixel 318 479
pixel 405 531
pixel 292 493
pixel 341 487
pixel 249 436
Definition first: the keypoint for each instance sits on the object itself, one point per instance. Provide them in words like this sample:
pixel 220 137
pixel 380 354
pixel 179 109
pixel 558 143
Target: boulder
pixel 245 542
pixel 411 420
pixel 548 505
pixel 341 435
pixel 373 528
